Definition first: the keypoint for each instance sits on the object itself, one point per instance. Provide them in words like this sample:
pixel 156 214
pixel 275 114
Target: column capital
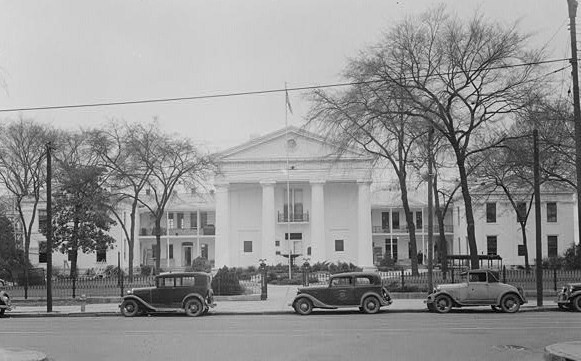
pixel 266 183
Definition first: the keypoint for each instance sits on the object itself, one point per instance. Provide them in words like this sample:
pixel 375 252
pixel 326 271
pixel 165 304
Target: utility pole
pixel 537 186
pixel 49 227
pixel 576 107
pixel 430 212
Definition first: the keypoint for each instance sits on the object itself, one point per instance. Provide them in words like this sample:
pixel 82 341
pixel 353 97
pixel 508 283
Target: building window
pixel 170 251
pixel 42 255
pixel 385 221
pixel 395 220
pixel 552 250
pixel 521 212
pixel 419 220
pixel 296 204
pixel 102 255
pixel 552 212
pixel 180 220
pixel 490 212
pixel 521 250
pixel 170 220
pixel 491 246
pixel 194 220
pixel 247 246
pixel 42 220
pixel 308 251
pixel 277 243
pixel 339 245
pixel 203 219
pixel 204 250
pixel 277 253
pixel 294 236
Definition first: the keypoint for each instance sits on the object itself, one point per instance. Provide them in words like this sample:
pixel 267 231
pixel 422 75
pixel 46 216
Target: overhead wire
pixel 244 93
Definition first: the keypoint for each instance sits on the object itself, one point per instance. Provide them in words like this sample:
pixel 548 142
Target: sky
pixel 58 53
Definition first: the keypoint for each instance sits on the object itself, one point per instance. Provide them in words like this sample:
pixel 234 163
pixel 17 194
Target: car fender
pixel 374 294
pixel 574 294
pixel 139 300
pixel 433 296
pixel 316 302
pixel 194 295
pixel 522 301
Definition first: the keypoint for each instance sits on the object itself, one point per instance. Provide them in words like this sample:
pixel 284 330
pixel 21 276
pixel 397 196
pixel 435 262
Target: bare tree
pixel 369 115
pixel 463 77
pixel 127 176
pixel 171 161
pixel 23 171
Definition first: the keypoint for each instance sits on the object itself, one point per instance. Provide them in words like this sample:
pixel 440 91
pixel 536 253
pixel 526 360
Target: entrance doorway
pixel 187 252
pixel 391 248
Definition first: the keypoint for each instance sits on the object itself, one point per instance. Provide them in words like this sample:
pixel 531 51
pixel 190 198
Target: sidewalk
pixel 277 302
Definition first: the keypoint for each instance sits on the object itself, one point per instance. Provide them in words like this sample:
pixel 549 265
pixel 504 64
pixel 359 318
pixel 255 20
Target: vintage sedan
pixel 479 288
pixel 5 304
pixel 353 289
pixel 569 298
pixel 187 291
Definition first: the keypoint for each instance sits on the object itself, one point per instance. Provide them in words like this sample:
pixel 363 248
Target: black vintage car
pixel 5 303
pixel 569 298
pixel 187 291
pixel 353 289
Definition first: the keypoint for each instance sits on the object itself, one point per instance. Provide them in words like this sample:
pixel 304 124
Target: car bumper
pixel 563 299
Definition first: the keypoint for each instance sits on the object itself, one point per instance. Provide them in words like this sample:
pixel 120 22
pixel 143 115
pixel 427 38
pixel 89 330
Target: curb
pixel 239 313
pixel 567 351
pixel 18 354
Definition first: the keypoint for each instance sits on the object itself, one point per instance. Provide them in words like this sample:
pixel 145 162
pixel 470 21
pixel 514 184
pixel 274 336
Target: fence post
pixel 402 280
pixel 503 274
pixel 555 279
pixel 263 280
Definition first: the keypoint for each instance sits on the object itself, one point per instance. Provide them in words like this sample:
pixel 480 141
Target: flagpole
pixel 286 105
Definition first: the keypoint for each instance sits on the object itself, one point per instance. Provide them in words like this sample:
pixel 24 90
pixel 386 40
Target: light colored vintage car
pixel 479 288
pixel 351 289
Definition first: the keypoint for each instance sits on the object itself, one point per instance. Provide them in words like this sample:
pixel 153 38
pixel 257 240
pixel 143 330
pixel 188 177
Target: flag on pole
pixel 288 104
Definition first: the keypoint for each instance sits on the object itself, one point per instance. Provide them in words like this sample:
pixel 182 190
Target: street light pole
pixel 49 227
pixel 576 106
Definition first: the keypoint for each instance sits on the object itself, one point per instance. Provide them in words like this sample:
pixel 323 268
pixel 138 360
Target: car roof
pixel 352 274
pixel 182 274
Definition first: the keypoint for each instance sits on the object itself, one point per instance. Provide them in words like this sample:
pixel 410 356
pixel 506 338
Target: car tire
pixel 303 306
pixel 443 304
pixel 510 303
pixel 576 303
pixel 194 307
pixel 371 305
pixel 129 308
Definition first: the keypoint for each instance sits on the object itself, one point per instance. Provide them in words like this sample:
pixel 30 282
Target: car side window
pixel 478 277
pixel 166 282
pixel 341 282
pixel 362 281
pixel 188 281
pixel 492 278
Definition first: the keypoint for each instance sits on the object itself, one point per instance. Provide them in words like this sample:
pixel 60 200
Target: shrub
pixel 572 259
pixel 226 282
pixel 201 265
pixel 145 270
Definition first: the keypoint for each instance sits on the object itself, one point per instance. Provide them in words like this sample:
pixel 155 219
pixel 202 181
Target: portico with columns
pixel 293 194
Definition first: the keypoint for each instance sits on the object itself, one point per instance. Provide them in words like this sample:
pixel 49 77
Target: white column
pixel 364 239
pixel 318 241
pixel 222 248
pixel 268 222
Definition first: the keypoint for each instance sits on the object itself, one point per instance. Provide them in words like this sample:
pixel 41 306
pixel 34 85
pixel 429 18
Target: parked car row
pixel 192 292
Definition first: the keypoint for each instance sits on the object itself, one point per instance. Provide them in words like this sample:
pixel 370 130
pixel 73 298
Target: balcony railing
pixel 208 230
pixel 294 217
pixel 404 229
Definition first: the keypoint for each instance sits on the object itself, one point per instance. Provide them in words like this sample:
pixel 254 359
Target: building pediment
pixel 291 142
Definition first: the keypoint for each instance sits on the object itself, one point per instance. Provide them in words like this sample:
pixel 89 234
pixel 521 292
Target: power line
pixel 246 93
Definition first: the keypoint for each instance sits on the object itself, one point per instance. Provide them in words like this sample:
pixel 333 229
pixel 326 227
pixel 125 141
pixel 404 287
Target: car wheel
pixel 495 308
pixel 576 304
pixel 510 303
pixel 443 304
pixel 129 308
pixel 303 306
pixel 371 305
pixel 194 307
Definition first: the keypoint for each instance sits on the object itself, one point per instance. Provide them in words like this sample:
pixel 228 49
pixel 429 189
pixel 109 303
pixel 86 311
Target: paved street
pixel 461 335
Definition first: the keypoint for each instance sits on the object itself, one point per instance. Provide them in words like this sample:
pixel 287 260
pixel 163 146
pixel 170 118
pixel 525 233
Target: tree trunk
pixel 474 264
pixel 443 244
pixel 157 244
pixel 524 241
pixel 26 271
pixel 131 240
pixel 411 227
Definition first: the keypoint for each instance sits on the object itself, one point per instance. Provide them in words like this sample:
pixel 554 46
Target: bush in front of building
pixel 226 282
pixel 200 264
